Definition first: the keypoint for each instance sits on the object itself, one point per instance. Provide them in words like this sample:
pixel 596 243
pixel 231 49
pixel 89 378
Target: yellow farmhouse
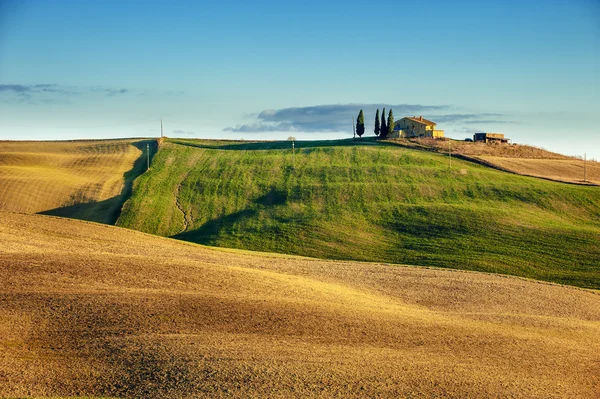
pixel 416 126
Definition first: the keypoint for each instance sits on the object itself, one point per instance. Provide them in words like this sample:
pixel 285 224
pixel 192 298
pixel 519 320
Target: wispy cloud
pixel 39 88
pixel 49 92
pixel 325 118
pixel 184 132
pixel 15 88
pixel 114 92
pixel 258 127
pixel 468 130
pixel 488 122
pixel 339 118
pixel 109 91
pixel 473 118
pixel 53 88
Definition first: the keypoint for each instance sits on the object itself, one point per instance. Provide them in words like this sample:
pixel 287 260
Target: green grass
pixel 368 201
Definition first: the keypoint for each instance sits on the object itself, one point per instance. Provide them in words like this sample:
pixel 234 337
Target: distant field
pixel 482 149
pixel 369 201
pixel 87 180
pixel 567 170
pixel 133 315
pixel 522 159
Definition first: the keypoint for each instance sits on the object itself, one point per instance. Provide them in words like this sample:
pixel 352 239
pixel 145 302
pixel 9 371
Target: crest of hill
pixel 370 201
pixel 362 200
pixel 134 315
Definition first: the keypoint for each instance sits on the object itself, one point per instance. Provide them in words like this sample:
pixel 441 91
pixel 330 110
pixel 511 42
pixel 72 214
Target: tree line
pixel 382 128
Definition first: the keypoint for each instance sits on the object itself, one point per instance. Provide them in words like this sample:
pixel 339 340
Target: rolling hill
pixel 369 201
pixel 86 180
pixel 133 315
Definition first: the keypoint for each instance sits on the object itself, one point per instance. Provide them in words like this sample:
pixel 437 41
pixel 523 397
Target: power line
pixel 450 153
pixel 585 167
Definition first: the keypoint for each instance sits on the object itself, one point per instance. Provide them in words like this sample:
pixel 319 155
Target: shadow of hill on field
pixel 209 232
pixel 109 210
pixel 230 145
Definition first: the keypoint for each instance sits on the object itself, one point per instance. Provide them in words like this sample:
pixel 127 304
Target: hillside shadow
pixel 109 210
pixel 274 145
pixel 209 232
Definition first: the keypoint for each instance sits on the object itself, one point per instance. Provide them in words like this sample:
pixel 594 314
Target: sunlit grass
pixel 366 201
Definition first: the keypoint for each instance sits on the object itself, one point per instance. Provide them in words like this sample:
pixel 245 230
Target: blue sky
pixel 271 69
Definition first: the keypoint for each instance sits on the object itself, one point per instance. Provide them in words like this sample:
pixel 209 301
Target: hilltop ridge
pixel 346 199
pixel 371 201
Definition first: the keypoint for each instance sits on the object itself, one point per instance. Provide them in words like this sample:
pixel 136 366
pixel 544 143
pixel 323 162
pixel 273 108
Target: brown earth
pixel 515 158
pixel 88 309
pixel 59 176
pixel 565 170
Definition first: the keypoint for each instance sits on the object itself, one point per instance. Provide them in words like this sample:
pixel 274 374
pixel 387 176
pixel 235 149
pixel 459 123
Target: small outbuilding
pixel 490 138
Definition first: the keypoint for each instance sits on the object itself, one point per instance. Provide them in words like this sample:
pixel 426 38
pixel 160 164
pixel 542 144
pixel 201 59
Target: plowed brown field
pixel 40 176
pixel 88 309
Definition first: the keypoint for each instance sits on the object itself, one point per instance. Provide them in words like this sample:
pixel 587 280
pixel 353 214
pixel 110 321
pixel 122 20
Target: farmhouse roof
pixel 421 120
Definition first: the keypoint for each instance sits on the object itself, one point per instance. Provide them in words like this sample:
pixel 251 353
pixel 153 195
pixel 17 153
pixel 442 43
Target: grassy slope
pixel 369 202
pixel 87 180
pixel 133 315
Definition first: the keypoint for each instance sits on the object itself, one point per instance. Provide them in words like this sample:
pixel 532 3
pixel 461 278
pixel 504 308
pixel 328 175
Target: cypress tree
pixel 360 124
pixel 390 123
pixel 376 131
pixel 383 128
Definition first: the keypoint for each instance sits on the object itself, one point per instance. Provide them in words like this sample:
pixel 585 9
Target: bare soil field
pixel 481 149
pixel 566 170
pixel 96 310
pixel 516 158
pixel 61 177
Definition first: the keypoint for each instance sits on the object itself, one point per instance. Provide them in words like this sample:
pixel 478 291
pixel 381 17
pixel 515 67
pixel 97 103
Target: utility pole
pixel 450 153
pixel 584 166
pixel 353 129
pixel 293 156
pixel 147 156
pixel 161 129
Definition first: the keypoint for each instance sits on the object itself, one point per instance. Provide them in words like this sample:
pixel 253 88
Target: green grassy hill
pixel 369 201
